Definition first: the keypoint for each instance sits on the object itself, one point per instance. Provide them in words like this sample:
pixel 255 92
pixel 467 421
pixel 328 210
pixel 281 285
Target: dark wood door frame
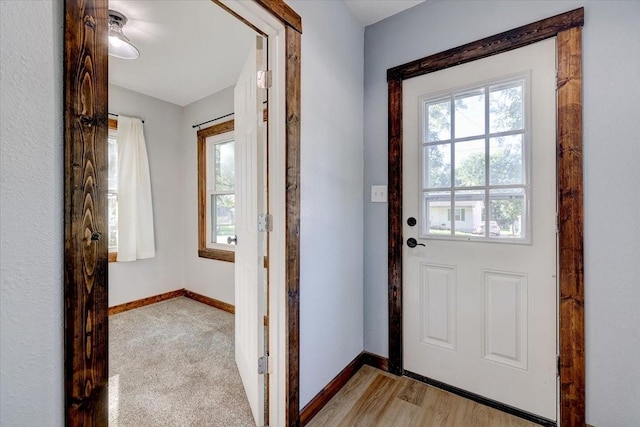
pixel 85 215
pixel 567 27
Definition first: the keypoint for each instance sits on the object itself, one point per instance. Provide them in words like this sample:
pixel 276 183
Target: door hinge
pixel 265 222
pixel 263 365
pixel 264 79
pixel 557 366
pixel 557 229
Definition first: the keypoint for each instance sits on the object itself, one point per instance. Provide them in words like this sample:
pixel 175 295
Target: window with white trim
pixel 474 151
pixel 112 189
pixel 220 189
pixel 216 192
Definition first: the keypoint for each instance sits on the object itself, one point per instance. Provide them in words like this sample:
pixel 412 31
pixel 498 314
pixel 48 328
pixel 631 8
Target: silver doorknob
pixel 232 240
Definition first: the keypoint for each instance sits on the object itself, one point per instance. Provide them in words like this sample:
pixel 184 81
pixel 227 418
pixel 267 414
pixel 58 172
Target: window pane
pixel 437 166
pixel 112 217
pixel 505 160
pixel 469 117
pixel 437 207
pixel 507 214
pixel 224 166
pixel 112 161
pixel 506 109
pixel 438 121
pixel 467 214
pixel 223 208
pixel 470 166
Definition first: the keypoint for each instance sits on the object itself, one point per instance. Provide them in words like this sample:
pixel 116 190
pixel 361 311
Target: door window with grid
pixel 475 182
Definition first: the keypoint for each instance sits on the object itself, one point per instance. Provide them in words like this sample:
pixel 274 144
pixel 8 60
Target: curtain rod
pixel 217 118
pixel 117 115
pixel 212 120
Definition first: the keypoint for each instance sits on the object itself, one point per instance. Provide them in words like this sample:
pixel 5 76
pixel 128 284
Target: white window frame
pixel 211 142
pixel 113 250
pixel 449 95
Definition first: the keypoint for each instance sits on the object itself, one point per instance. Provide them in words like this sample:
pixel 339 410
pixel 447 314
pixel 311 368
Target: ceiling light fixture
pixel 119 45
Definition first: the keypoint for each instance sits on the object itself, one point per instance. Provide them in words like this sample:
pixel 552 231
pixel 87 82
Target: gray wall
pixel 31 388
pixel 331 329
pixel 611 155
pixel 208 277
pixel 31 368
pixel 129 281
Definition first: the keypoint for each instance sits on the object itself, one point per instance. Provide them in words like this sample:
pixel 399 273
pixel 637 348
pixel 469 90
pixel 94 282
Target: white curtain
pixel 135 210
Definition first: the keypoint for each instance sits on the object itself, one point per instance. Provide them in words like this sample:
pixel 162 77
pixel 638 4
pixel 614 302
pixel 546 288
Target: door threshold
pixel 482 400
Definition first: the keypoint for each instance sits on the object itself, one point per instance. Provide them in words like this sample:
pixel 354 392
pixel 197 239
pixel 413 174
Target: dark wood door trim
pixel 292 112
pixel 85 213
pixel 570 227
pixel 499 43
pixel 284 13
pixel 567 28
pixel 394 194
pixel 85 178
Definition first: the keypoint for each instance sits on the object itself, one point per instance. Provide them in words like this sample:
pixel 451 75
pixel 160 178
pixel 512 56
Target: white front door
pixel 479 289
pixel 250 285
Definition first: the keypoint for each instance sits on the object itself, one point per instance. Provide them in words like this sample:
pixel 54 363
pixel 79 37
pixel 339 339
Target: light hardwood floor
pixel 376 398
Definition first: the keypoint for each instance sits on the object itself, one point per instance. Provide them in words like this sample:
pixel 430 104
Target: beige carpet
pixel 172 364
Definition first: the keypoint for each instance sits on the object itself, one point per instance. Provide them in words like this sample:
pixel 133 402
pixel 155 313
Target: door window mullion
pixel 452 204
pixel 487 165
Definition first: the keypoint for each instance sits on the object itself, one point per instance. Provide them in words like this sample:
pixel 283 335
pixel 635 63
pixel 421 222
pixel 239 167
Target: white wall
pixel 611 155
pixel 31 207
pixel 130 281
pixel 172 148
pixel 207 277
pixel 331 329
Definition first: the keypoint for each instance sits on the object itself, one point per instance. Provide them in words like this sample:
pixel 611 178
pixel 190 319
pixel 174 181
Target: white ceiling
pixel 371 11
pixel 190 49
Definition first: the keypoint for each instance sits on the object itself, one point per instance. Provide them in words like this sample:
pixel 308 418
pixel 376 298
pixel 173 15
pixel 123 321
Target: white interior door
pixel 250 275
pixel 479 177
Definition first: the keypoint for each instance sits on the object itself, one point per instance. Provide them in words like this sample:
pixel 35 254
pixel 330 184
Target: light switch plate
pixel 379 193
